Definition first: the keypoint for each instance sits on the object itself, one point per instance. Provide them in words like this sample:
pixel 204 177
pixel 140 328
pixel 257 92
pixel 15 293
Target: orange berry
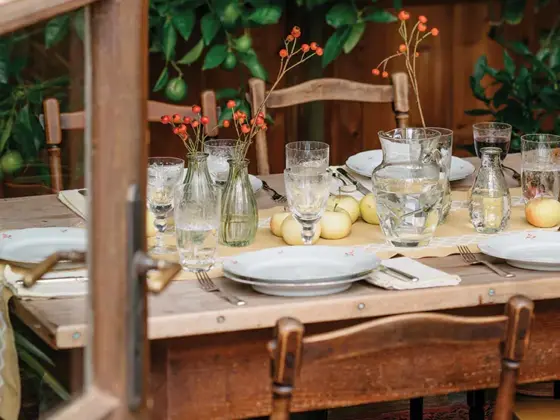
pixel 296 32
pixel 261 114
pixel 196 109
pixel 204 120
pixel 283 53
pixel 313 46
pixel 422 27
pixel 319 51
pixel 435 31
pixel 422 19
pixel 376 72
pixel 176 118
pixel 403 15
pixel 260 121
pixel 231 104
pixel 226 123
pixel 245 129
pixel 176 130
pixel 304 47
pixel 194 124
pixel 416 54
pixel 165 119
pixel 385 74
pixel 241 119
pixel 290 38
pixel 402 48
pixel 182 128
pixel 187 120
pixel 264 127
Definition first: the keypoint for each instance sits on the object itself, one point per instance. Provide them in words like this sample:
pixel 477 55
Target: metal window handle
pixel 42 268
pixel 167 270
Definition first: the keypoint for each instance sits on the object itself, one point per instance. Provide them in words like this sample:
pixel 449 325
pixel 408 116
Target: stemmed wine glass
pixel 310 154
pixel 163 174
pixel 307 190
pixel 219 152
pixel 493 134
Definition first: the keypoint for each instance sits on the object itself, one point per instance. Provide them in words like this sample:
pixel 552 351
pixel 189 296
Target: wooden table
pixel 209 359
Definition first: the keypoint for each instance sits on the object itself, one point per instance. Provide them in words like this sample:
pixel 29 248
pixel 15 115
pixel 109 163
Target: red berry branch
pixel 246 128
pixel 194 142
pixel 408 50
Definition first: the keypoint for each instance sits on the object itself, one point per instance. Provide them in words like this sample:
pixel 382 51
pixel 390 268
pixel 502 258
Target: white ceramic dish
pixel 365 162
pixel 29 246
pixel 534 250
pixel 302 264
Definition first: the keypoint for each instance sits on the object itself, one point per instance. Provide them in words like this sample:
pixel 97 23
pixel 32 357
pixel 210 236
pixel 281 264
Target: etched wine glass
pixel 164 173
pixel 220 151
pixel 492 134
pixel 310 154
pixel 307 190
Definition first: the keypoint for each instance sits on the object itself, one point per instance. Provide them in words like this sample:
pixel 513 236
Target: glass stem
pixel 307 233
pixel 160 223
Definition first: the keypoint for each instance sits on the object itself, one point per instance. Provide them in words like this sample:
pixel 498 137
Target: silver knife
pixel 397 273
pixel 354 181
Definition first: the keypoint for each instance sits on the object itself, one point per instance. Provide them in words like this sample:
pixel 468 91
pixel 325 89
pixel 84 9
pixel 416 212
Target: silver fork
pixel 208 285
pixel 278 198
pixel 472 259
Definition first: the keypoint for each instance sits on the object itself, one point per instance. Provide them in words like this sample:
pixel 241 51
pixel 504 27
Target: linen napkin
pixel 57 284
pixel 427 276
pixel 75 201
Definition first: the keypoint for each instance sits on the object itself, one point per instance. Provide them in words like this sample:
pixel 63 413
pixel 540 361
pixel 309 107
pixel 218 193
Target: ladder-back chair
pixel 54 122
pixel 290 349
pixel 327 89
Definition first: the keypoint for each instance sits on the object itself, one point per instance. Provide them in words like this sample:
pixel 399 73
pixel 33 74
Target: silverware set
pixel 472 259
pixel 206 284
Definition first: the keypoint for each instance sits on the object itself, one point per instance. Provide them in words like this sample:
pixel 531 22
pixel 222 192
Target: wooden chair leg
pixel 417 409
pixel 475 401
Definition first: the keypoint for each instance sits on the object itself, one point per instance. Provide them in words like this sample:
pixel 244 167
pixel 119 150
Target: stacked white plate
pixel 301 270
pixel 365 162
pixel 534 250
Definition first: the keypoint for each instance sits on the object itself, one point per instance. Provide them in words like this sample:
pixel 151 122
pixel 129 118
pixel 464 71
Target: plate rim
pixel 494 252
pixel 288 285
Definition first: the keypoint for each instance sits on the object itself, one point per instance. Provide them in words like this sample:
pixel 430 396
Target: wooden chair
pixel 327 90
pixel 54 122
pixel 290 349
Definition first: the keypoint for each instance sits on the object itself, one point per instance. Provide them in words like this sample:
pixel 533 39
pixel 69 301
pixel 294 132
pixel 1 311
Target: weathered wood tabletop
pixel 209 360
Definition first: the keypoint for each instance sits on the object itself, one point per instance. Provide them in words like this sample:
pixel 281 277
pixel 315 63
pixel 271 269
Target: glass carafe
pixel 489 197
pixel 239 217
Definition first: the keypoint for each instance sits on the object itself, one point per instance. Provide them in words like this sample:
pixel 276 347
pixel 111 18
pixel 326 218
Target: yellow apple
pixel 276 223
pixel 336 224
pixel 150 228
pixel 368 209
pixel 543 212
pixel 291 231
pixel 345 202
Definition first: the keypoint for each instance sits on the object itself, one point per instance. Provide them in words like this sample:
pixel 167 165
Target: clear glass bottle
pixel 489 197
pixel 239 217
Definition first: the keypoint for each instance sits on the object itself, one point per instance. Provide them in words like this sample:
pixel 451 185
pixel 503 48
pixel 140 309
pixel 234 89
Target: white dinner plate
pixel 28 246
pixel 297 289
pixel 534 250
pixel 365 162
pixel 302 264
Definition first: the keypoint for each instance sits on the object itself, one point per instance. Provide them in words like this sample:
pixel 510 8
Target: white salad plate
pixel 534 250
pixel 302 263
pixel 365 162
pixel 29 246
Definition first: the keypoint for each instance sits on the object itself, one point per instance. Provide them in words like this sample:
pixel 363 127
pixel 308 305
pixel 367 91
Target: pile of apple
pixel 336 223
pixel 543 212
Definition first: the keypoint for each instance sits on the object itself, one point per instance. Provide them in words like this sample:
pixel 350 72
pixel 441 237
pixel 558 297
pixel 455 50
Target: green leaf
pixel 251 61
pixel 379 16
pixel 509 65
pixel 501 96
pixel 512 11
pixel 478 112
pixel 480 68
pixel 266 15
pixel 6 132
pixel 215 56
pixel 354 37
pixel 226 93
pixel 4 63
pixel 477 90
pixel 334 45
pixel 184 22
pixel 519 47
pixel 24 343
pixel 550 97
pixel 193 54
pixel 341 14
pixel 209 25
pixel 169 40
pixel 162 80
pixel 45 376
pixel 56 29
pixel 79 23
pixel 230 13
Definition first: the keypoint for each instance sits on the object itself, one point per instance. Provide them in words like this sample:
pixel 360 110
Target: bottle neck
pixel 490 160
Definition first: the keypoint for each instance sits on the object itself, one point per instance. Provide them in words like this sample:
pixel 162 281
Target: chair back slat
pixel 289 351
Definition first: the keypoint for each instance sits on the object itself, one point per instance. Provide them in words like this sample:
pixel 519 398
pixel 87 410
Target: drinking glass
pixel 492 134
pixel 163 174
pixel 310 154
pixel 540 166
pixel 219 152
pixel 196 228
pixel 307 190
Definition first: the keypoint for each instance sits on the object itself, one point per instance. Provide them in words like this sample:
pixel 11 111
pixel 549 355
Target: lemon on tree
pixel 176 89
pixel 243 43
pixel 11 161
pixel 230 61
